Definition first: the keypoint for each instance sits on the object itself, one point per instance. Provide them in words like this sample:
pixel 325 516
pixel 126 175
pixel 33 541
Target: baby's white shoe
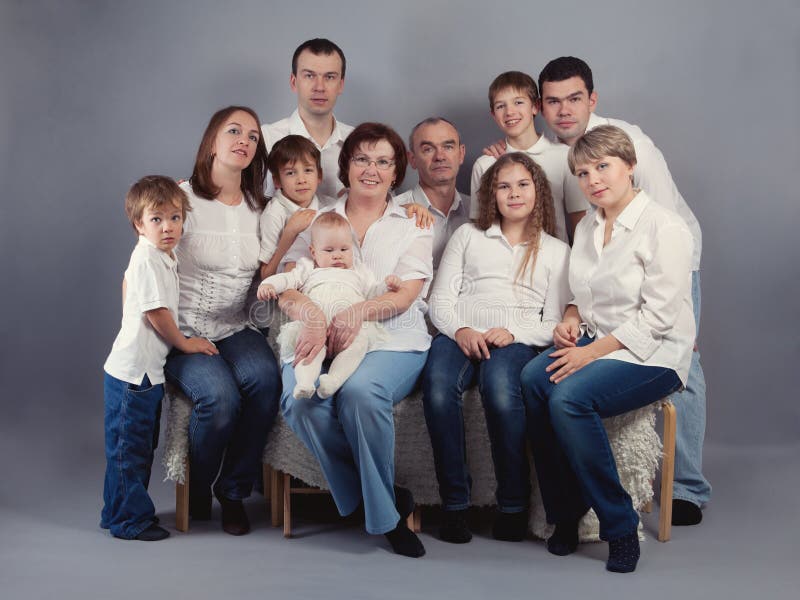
pixel 328 385
pixel 301 392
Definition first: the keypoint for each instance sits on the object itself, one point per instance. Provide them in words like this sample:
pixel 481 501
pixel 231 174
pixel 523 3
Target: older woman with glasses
pixel 352 433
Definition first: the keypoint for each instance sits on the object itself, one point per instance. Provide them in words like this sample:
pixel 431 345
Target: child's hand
pixel 498 337
pixel 495 150
pixel 393 283
pixel 300 221
pixel 425 219
pixel 199 345
pixel 472 343
pixel 266 292
pixel 566 333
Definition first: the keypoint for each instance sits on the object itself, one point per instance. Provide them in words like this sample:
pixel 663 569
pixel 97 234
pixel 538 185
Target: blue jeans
pixel 352 433
pixel 448 373
pixel 573 458
pixel 235 397
pixel 690 484
pixel 131 429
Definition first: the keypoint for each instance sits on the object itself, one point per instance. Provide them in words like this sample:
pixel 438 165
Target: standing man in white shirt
pixel 568 104
pixel 318 68
pixel 436 153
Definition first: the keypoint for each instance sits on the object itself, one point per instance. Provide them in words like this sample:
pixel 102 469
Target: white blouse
pixel 151 282
pixel 638 287
pixel 218 257
pixel 392 245
pixel 475 286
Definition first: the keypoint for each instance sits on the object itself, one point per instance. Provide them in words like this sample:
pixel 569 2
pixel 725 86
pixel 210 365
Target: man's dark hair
pixel 318 46
pixel 566 67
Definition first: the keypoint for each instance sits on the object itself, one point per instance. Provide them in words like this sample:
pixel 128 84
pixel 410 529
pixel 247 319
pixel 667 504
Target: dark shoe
pixel 564 540
pixel 234 517
pixel 404 541
pixel 403 501
pixel 154 533
pixel 510 527
pixel 200 506
pixel 623 553
pixel 454 528
pixel 685 513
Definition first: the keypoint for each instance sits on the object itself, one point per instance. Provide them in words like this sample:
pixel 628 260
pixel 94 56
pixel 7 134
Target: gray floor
pixel 51 547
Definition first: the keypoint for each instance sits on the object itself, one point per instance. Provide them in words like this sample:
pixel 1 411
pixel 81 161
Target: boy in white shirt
pixel 513 103
pixel 134 370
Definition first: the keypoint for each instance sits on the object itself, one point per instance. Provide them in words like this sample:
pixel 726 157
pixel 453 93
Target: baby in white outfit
pixel 333 283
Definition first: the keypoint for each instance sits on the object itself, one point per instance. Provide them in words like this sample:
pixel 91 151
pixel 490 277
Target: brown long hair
pixel 542 218
pixel 252 177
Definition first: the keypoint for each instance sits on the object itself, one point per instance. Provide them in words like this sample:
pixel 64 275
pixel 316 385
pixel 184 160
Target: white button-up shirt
pixel 293 125
pixel 553 160
pixel 218 257
pixel 444 224
pixel 273 221
pixel 392 245
pixel 476 286
pixel 652 175
pixel 638 287
pixel 151 282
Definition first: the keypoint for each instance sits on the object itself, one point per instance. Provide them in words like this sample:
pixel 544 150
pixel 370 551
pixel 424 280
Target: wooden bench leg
pixel 276 498
pixel 414 521
pixel 266 483
pixel 667 474
pixel 287 505
pixel 182 501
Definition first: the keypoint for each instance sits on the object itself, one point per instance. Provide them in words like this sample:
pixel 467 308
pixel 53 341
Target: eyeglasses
pixel 362 162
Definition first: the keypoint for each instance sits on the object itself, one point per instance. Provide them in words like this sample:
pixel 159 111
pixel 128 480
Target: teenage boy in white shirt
pixel 318 68
pixel 568 104
pixel 436 153
pixel 513 104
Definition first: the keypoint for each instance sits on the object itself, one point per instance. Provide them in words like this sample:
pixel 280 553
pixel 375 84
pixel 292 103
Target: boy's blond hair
pixel 329 220
pixel 154 191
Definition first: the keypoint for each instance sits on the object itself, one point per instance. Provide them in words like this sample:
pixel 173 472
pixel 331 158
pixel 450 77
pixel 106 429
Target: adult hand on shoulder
pixel 570 360
pixel 495 150
pixel 343 329
pixel 425 219
pixel 498 337
pixel 472 343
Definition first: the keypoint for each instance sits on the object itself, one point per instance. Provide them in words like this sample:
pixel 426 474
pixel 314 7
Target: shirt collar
pixel 630 215
pixel 419 196
pixel 168 260
pixel 290 206
pixel 297 127
pixel 539 147
pixel 595 120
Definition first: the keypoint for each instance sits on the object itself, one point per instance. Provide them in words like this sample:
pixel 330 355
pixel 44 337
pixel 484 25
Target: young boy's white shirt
pixel 444 224
pixel 151 282
pixel 476 286
pixel 552 157
pixel 652 175
pixel 293 125
pixel 273 221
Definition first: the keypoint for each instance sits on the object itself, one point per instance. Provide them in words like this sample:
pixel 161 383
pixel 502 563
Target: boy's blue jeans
pixel 131 429
pixel 448 373
pixel 574 463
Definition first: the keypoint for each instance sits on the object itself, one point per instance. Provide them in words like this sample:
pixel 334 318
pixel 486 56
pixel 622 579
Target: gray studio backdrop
pixel 97 94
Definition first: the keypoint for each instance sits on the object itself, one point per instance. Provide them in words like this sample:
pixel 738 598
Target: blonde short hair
pixel 329 220
pixel 604 140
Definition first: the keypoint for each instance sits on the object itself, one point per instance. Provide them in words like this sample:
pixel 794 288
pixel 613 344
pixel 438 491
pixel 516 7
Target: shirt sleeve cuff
pixel 639 343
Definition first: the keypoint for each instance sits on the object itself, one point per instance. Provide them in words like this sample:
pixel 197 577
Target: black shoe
pixel 685 513
pixel 154 533
pixel 403 501
pixel 200 506
pixel 623 553
pixel 510 527
pixel 404 541
pixel 234 517
pixel 564 540
pixel 454 528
